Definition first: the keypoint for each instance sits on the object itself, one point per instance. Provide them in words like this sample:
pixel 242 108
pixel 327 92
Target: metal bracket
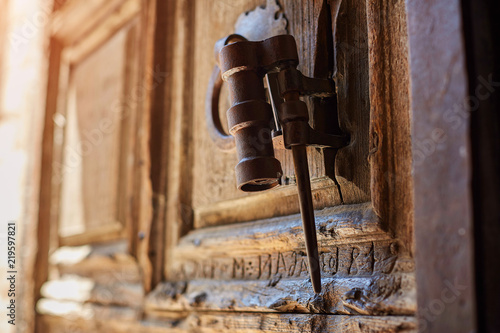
pixel 287 115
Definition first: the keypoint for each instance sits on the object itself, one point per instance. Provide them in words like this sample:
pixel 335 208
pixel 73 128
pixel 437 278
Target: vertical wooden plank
pixel 351 166
pixel 179 178
pixel 159 123
pixel 390 139
pixel 45 195
pixel 46 186
pixel 441 168
pixel 142 188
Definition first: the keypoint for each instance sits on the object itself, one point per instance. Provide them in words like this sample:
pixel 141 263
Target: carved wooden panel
pixel 116 320
pixel 211 263
pixel 95 132
pixel 214 194
pixel 259 264
pixel 220 260
pixel 91 175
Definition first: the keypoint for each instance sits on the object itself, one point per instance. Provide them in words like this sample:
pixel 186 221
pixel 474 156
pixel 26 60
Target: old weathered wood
pixel 358 259
pixel 441 168
pixel 119 25
pixel 134 97
pixel 159 144
pixel 112 266
pixel 257 268
pixel 90 312
pixel 238 253
pixel 238 323
pixel 351 41
pixel 75 19
pixel 94 170
pixel 180 177
pixel 113 324
pixel 147 79
pixel 127 10
pixel 105 233
pixel 44 227
pixel 351 242
pixel 370 295
pixel 85 290
pixel 218 185
pixel 285 198
pixel 390 139
pixel 337 225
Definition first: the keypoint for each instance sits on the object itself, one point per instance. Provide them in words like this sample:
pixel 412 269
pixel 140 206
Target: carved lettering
pixel 238 268
pixel 345 257
pixel 265 263
pixel 302 266
pixel 360 259
pixel 293 264
pixel 281 265
pixel 329 262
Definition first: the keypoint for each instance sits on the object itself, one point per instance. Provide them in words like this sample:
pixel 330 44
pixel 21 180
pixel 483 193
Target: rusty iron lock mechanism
pixel 252 121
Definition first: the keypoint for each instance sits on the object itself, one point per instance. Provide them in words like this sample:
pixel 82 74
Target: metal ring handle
pixel 223 140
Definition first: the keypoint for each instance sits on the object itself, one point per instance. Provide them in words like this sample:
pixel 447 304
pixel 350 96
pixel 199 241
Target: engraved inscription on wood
pixel 361 259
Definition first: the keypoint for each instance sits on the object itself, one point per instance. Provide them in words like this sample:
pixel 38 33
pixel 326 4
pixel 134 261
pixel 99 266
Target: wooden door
pixel 236 261
pixel 149 227
pixel 95 190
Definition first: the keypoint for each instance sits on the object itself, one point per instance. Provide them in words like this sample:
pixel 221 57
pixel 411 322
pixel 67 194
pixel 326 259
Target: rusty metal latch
pixel 259 127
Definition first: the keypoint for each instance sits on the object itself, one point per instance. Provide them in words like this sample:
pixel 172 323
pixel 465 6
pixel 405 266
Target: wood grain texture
pixel 111 24
pixel 351 41
pixel 339 225
pixel 213 173
pixel 159 144
pixel 375 295
pixel 44 226
pixel 118 277
pixel 102 264
pixel 284 199
pixel 358 259
pixel 235 253
pixel 390 139
pixel 149 77
pixel 100 140
pixel 180 174
pixel 241 277
pixel 91 159
pixel 61 324
pixel 84 290
pixel 350 238
pixel 237 322
pixel 88 312
pixel 75 19
pixel 441 167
